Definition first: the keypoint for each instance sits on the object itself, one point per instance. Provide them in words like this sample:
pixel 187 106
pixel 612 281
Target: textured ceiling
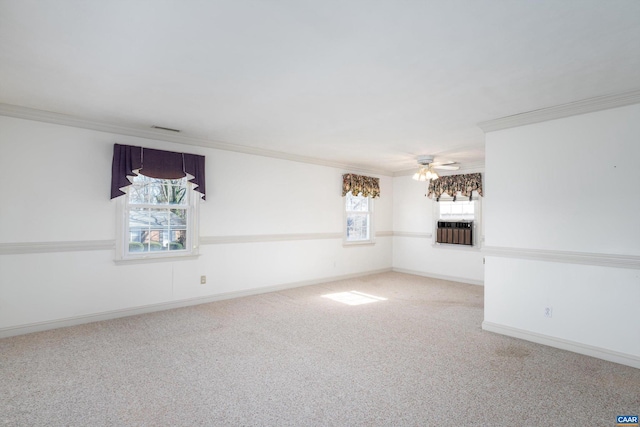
pixel 359 82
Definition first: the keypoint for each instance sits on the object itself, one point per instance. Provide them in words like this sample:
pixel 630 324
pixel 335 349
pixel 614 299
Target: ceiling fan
pixel 427 165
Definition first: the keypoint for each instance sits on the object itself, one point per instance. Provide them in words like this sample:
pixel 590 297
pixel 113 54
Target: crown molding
pixel 603 260
pixel 19 112
pixel 561 111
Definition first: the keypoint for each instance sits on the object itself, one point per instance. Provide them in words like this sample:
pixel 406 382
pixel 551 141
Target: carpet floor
pixel 405 351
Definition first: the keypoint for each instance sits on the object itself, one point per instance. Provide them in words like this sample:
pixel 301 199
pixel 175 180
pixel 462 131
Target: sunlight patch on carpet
pixel 353 298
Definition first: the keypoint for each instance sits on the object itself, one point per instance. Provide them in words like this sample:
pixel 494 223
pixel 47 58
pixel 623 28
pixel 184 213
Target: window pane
pixel 157 229
pixel 136 238
pixel 468 208
pixel 357 227
pixel 154 240
pixel 458 210
pixel 158 191
pixel 137 194
pixel 178 217
pixel 170 192
pixel 349 202
pixel 357 203
pixel 138 217
pixel 158 218
pixel 177 240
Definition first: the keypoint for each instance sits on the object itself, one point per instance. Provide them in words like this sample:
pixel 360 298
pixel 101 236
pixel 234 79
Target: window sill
pixel 455 247
pixel 151 259
pixel 361 243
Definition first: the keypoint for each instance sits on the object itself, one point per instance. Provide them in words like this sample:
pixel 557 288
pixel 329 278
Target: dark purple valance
pixel 156 164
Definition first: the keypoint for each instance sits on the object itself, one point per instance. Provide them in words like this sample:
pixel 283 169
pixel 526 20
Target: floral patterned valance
pixel 357 184
pixel 452 184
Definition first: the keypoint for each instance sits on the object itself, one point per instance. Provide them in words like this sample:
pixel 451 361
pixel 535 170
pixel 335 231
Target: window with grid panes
pixel 358 219
pixel 158 219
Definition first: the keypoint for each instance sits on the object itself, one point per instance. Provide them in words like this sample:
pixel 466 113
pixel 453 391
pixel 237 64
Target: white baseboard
pixel 576 347
pixel 439 276
pixel 133 311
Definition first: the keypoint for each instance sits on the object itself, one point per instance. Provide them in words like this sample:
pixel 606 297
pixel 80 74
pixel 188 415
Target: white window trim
pixel 372 234
pixel 477 224
pixel 122 230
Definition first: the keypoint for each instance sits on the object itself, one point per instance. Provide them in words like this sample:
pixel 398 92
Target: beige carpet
pixel 293 358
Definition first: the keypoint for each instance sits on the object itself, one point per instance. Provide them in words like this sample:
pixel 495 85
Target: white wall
pixel 58 180
pixel 414 248
pixel 562 195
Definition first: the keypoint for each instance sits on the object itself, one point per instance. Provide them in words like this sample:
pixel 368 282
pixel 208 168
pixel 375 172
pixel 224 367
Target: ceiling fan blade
pixel 443 163
pixel 447 167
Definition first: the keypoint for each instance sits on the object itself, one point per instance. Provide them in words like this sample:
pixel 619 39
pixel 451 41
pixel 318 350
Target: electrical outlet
pixel 548 312
pixel 203 280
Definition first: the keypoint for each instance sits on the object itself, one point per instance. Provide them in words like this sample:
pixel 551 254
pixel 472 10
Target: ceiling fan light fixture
pixel 426 166
pixel 425 174
pixel 422 175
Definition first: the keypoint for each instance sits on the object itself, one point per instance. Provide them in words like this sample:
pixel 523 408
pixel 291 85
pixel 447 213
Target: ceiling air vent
pixel 167 129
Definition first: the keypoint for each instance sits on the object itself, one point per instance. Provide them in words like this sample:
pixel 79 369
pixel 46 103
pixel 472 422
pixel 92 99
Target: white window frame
pixel 477 222
pixel 122 229
pixel 370 222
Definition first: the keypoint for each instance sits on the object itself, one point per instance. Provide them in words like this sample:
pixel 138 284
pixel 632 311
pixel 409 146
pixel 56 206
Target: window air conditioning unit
pixel 455 232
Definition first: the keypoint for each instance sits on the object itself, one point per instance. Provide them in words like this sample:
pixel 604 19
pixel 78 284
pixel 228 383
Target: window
pixel 358 219
pixel 459 210
pixel 457 223
pixel 158 219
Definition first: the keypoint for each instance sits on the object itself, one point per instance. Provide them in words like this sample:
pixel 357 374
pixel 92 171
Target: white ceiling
pixel 361 82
